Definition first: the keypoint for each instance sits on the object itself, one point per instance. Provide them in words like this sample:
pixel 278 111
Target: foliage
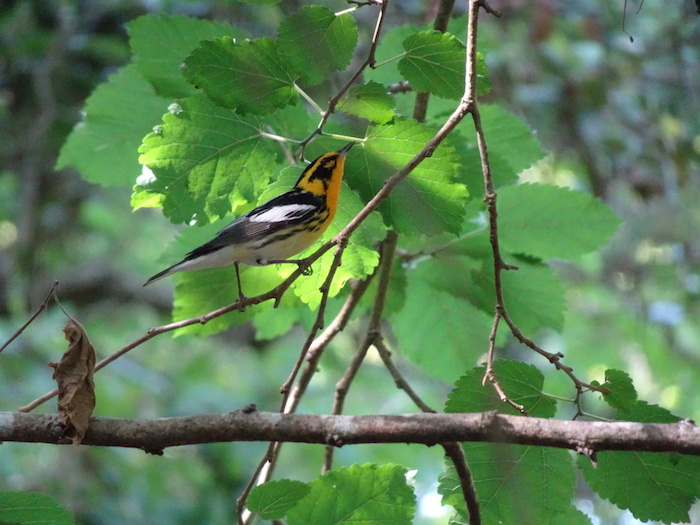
pixel 31 507
pixel 215 138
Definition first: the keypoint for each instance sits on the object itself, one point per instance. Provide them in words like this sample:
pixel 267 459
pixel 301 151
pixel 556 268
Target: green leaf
pixel 291 121
pixel 260 2
pixel 273 499
pixel 104 146
pixel 271 323
pixel 159 59
pixel 315 42
pixel 483 82
pixel 522 383
pixel 376 494
pixel 642 412
pixel 389 50
pixel 548 221
pixel 396 293
pixel 513 147
pixel 32 508
pixel 510 138
pixel 438 332
pixel 202 291
pixel 200 155
pixel 571 516
pixel 429 200
pixel 370 101
pixel 534 295
pixel 653 486
pixel 434 62
pixel 623 395
pixel 514 483
pixel 250 76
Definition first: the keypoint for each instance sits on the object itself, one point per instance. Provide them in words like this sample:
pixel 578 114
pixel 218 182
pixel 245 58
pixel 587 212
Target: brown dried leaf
pixel 76 389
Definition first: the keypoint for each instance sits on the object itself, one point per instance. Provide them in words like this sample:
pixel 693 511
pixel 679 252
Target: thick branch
pixel 154 435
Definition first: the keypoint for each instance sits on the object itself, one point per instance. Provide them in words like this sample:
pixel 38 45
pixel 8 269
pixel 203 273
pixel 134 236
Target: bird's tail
pixel 168 271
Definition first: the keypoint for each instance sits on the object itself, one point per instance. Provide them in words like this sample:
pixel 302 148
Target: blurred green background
pixel 620 118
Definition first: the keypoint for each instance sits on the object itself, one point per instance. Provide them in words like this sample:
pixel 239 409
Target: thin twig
pixel 314 353
pixel 268 463
pixel 316 349
pixel 369 62
pixel 318 323
pixel 40 309
pixel 399 380
pixel 453 449
pixel 455 452
pixel 498 263
pixel 388 248
pixel 274 294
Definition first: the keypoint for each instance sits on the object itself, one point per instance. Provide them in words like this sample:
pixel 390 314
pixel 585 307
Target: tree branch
pixel 154 435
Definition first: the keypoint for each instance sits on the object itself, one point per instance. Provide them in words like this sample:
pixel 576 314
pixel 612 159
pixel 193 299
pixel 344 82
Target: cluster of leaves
pixel 231 106
pixel 213 155
pixel 665 485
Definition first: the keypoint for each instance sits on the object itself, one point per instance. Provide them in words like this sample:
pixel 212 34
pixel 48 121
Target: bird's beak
pixel 344 151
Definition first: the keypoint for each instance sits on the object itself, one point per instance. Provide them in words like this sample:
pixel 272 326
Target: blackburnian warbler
pixel 278 229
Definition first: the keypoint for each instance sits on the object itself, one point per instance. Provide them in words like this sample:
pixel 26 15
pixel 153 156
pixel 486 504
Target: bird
pixel 276 230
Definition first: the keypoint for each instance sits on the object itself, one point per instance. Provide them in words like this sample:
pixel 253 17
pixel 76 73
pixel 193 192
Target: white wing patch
pixel 282 213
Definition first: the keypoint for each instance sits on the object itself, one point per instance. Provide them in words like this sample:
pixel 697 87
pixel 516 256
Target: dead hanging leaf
pixel 76 389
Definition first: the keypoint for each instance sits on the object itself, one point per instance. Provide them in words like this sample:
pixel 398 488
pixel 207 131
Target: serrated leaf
pixel 202 291
pixel 141 198
pixel 376 494
pixel 271 323
pixel 370 101
pixel 104 146
pixel 643 412
pixel 390 47
pixel 434 62
pixel 315 42
pixel 291 121
pixel 429 200
pixel 513 147
pixel 653 486
pixel 201 154
pixel 623 395
pixel 522 383
pixel 250 76
pixel 438 332
pixel 534 295
pixel 159 59
pixel 25 508
pixel 571 516
pixel 273 499
pixel 510 137
pixel 514 483
pixel 548 221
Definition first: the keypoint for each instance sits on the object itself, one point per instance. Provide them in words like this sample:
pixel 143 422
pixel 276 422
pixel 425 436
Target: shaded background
pixel 620 118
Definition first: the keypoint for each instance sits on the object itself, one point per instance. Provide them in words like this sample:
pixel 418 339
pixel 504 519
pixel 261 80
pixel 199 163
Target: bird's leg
pixel 308 271
pixel 240 289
